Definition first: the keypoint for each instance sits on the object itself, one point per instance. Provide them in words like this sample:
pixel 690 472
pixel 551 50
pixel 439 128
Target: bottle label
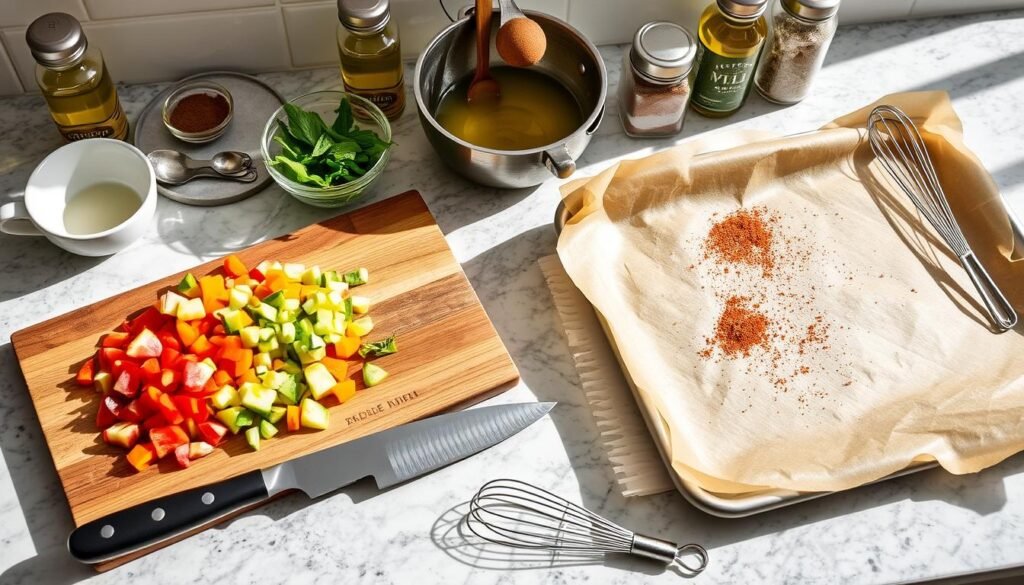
pixel 390 100
pixel 116 126
pixel 721 84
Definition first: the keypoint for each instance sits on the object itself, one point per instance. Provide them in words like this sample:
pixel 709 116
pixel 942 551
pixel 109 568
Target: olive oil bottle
pixel 731 34
pixel 74 80
pixel 371 57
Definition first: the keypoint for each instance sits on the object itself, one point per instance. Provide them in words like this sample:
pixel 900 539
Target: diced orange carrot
pixel 201 346
pixel 248 376
pixel 142 456
pixel 344 390
pixel 277 364
pixel 233 266
pixel 221 378
pixel 186 332
pixel 292 290
pixel 276 280
pixel 337 368
pixel 292 418
pixel 244 362
pixel 347 347
pixel 217 340
pixel 262 291
pixel 214 293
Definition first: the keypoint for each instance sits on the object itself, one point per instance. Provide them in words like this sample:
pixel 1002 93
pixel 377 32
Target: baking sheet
pixel 722 449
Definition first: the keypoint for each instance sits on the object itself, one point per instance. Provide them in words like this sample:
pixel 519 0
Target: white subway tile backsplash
pixel 924 8
pixel 106 9
pixel 615 22
pixel 165 48
pixel 23 12
pixel 857 11
pixel 9 82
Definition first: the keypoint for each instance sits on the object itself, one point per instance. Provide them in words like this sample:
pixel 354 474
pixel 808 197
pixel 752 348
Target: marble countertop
pixel 924 526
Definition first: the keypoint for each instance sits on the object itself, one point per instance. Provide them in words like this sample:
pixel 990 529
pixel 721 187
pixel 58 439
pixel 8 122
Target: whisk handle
pixel 999 309
pixel 653 548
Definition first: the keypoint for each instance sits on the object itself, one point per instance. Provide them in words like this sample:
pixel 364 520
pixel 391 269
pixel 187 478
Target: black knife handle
pixel 158 520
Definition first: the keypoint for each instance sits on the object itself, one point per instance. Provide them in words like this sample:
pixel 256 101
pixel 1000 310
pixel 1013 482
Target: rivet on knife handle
pixel 159 520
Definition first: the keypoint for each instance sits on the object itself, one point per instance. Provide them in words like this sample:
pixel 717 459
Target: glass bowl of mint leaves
pixel 327 148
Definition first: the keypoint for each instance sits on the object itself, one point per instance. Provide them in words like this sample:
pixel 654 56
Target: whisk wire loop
pixel 519 515
pixel 903 153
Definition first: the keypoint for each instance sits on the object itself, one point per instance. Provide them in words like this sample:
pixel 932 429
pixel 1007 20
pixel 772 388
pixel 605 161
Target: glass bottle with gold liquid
pixel 731 34
pixel 74 80
pixel 371 58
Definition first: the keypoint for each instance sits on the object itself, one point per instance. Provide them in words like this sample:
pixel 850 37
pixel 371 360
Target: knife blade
pixel 390 457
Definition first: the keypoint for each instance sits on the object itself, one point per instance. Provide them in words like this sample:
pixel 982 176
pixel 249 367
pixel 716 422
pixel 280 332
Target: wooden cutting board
pixel 449 356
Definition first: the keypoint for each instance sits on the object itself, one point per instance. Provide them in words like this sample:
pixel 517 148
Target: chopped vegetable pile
pixel 233 353
pixel 315 154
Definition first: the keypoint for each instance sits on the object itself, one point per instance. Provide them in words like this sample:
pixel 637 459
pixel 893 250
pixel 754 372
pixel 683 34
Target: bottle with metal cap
pixel 74 80
pixel 731 34
pixel 802 30
pixel 371 58
pixel 653 87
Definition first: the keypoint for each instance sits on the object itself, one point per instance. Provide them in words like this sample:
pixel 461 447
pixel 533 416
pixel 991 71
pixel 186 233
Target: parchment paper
pixel 909 371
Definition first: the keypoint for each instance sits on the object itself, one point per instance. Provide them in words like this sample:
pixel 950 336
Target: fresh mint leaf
pixel 304 126
pixel 344 150
pixel 297 172
pixel 323 144
pixel 385 346
pixel 343 123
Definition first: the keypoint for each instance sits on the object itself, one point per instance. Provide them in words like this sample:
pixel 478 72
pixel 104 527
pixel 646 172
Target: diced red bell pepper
pixel 150 319
pixel 167 409
pixel 192 408
pixel 154 421
pixel 145 345
pixel 255 274
pixel 168 380
pixel 108 355
pixel 129 382
pixel 234 267
pixel 149 400
pixel 167 439
pixel 169 358
pixel 104 416
pixel 197 449
pixel 85 374
pixel 122 434
pixel 122 411
pixel 195 375
pixel 212 432
pixel 115 339
pixel 169 339
pixel 142 456
pixel 181 456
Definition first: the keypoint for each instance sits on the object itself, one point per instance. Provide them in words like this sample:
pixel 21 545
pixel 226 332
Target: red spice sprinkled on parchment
pixel 743 237
pixel 740 328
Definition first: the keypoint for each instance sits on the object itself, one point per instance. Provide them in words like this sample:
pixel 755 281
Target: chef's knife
pixel 390 457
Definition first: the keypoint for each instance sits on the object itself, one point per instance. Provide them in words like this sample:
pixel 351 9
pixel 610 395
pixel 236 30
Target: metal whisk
pixel 516 514
pixel 899 146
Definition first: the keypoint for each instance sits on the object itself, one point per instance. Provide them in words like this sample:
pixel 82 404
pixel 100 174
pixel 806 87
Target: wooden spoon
pixel 483 88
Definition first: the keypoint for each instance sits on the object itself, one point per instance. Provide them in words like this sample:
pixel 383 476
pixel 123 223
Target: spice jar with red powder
pixel 653 87
pixel 198 112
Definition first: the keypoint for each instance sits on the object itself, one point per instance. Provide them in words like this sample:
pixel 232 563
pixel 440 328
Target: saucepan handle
pixel 14 220
pixel 558 161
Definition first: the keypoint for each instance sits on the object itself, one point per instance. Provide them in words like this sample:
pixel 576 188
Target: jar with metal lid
pixel 653 87
pixel 801 33
pixel 371 57
pixel 731 35
pixel 74 80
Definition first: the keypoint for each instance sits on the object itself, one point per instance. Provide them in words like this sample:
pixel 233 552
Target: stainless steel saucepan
pixel 570 58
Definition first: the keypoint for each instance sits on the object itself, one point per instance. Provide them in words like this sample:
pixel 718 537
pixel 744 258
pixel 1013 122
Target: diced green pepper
pixel 252 436
pixel 267 429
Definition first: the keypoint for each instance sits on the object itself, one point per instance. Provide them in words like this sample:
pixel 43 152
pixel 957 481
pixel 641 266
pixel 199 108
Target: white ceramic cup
pixel 65 173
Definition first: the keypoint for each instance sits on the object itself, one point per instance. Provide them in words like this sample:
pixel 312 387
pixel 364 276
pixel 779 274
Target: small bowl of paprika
pixel 198 112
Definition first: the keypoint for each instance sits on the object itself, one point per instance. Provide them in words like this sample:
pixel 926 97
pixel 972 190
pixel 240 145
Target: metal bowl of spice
pixel 198 111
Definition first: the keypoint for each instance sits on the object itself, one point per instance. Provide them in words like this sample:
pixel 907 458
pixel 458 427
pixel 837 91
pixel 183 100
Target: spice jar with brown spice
pixel 653 88
pixel 801 33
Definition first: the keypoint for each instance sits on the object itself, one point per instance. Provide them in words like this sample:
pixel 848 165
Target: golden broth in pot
pixel 534 110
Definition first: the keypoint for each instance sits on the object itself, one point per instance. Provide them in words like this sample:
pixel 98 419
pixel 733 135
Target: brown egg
pixel 521 42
